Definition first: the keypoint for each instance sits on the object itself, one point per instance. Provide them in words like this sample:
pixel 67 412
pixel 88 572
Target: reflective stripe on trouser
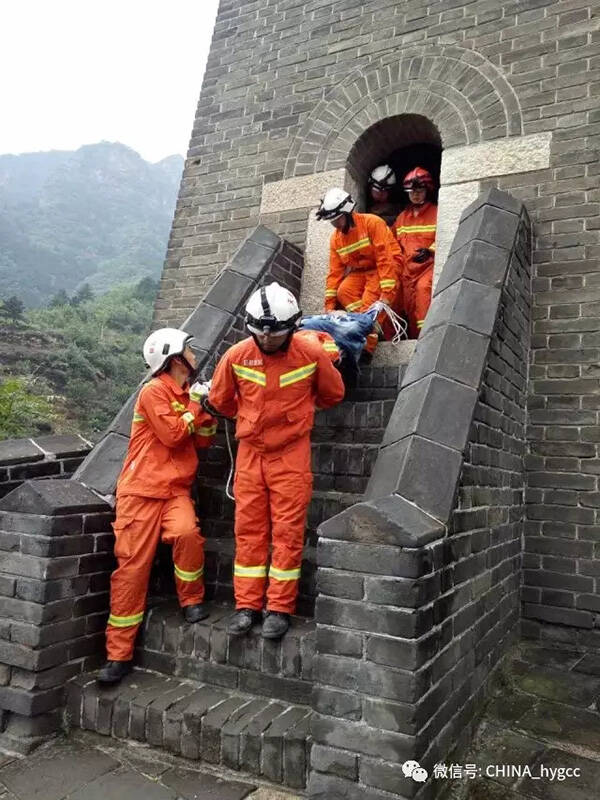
pixel 358 291
pixel 272 493
pixel 417 299
pixel 140 524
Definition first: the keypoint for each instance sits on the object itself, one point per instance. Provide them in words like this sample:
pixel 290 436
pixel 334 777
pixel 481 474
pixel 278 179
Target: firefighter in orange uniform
pixel 153 496
pixel 363 258
pixel 415 230
pixel 272 383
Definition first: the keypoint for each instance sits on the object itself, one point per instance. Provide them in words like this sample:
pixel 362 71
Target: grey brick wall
pixel 290 86
pixel 53 456
pixel 419 584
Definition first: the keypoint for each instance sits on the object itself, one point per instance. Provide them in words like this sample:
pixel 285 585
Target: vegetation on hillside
pixel 100 215
pixel 72 364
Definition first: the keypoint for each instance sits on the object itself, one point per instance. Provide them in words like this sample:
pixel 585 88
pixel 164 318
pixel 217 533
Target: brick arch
pixel 465 96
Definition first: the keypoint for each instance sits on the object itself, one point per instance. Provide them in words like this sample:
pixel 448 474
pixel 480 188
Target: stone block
pixel 478 261
pixel 451 351
pixel 52 498
pixel 102 467
pixel 435 408
pixel 361 738
pixel 494 197
pixel 375 559
pixel 265 237
pixel 208 325
pixel 62 445
pixel 385 520
pixel 334 762
pixel 229 291
pixel 421 471
pixel 465 303
pixel 252 260
pixel 16 451
pixel 488 224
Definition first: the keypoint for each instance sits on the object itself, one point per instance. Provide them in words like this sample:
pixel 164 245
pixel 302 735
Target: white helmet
pixel 335 203
pixel 161 345
pixel 382 177
pixel 272 309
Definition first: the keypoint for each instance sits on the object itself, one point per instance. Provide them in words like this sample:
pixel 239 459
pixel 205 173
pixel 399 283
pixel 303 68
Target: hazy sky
pixel 74 72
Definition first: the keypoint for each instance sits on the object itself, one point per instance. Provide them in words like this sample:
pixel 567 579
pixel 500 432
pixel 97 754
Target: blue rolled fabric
pixel 349 330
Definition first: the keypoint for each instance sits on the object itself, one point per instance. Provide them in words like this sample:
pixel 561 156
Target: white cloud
pixel 79 71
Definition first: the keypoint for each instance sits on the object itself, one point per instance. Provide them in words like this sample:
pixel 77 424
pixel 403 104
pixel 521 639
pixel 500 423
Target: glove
pixel 421 255
pixel 199 390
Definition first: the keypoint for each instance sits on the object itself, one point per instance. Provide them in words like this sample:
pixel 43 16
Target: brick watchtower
pixel 457 502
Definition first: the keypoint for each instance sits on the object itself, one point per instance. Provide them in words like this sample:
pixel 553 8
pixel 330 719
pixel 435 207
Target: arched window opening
pixel 404 142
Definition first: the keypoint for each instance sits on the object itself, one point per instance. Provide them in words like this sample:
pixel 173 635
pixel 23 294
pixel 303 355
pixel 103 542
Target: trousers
pixel 140 524
pixel 272 493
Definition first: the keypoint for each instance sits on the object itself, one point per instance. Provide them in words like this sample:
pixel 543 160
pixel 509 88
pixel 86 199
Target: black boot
pixel 275 625
pixel 113 672
pixel 195 613
pixel 242 621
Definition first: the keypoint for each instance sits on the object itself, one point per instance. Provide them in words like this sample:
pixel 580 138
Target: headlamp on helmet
pixel 272 309
pixel 335 203
pixel 382 178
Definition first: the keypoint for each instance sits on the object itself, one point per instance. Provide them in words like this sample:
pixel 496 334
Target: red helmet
pixel 418 178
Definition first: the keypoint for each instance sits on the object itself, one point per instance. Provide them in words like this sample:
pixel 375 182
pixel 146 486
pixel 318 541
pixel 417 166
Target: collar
pixel 418 210
pixel 173 386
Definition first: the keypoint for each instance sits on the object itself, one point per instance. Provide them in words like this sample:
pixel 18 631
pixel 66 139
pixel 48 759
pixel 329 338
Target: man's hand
pixel 199 390
pixel 421 255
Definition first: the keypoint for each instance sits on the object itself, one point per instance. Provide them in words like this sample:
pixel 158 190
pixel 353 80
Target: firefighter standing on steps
pixel 415 229
pixel 363 259
pixel 272 383
pixel 153 496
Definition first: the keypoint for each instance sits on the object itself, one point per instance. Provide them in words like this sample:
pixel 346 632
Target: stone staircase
pixel 244 703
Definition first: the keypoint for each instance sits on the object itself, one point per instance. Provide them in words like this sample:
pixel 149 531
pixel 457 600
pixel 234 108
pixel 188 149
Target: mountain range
pixel 99 215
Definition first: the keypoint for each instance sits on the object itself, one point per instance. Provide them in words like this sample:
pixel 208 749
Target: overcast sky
pixel 74 72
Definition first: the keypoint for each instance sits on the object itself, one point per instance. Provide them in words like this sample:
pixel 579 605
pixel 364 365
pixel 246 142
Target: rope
pixel 228 491
pixel 398 324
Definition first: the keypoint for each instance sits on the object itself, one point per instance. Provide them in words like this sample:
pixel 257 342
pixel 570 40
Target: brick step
pixel 200 721
pixel 206 652
pixel 216 516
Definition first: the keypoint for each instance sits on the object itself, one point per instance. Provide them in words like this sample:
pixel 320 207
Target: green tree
pixel 61 298
pixel 23 411
pixel 13 309
pixel 83 295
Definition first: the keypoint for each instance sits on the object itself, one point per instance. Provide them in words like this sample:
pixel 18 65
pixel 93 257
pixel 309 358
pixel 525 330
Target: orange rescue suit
pixel 415 228
pixel 153 503
pixel 364 264
pixel 273 397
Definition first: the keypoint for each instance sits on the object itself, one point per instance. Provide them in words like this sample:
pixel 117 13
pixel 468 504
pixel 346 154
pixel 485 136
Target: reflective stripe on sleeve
pixel 188 418
pixel 177 406
pixel 250 572
pixel 206 430
pixel 420 323
pixel 138 417
pixel 252 375
pixel 297 374
pixel 125 622
pixel 387 284
pixel 188 577
pixel 354 306
pixel 284 574
pixel 330 292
